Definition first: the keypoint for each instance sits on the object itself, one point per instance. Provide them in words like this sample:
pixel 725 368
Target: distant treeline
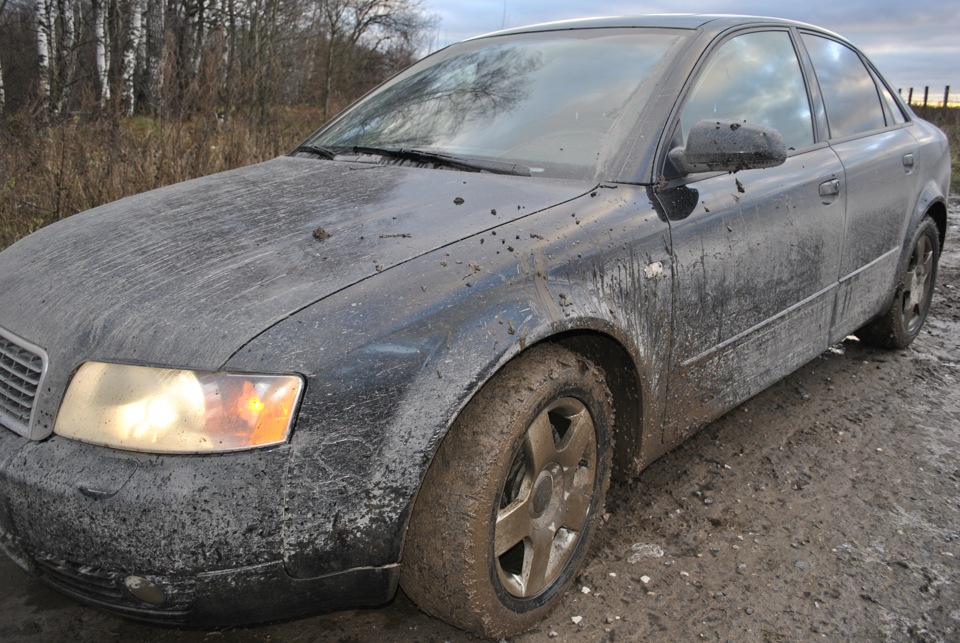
pixel 178 57
pixel 100 99
pixel 223 83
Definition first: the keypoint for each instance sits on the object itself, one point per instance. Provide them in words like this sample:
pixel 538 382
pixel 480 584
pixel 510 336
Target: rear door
pixel 871 136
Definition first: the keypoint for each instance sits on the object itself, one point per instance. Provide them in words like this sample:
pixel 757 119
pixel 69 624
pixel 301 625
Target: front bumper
pixel 226 597
pixel 194 540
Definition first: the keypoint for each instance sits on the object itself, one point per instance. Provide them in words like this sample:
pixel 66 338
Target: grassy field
pixel 947 119
pixel 51 172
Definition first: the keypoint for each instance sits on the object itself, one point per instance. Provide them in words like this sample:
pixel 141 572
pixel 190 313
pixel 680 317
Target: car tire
pixel 508 505
pixel 901 323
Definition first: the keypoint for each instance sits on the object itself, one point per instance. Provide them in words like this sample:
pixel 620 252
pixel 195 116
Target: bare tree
pixel 135 34
pixel 155 43
pixel 99 10
pixel 66 52
pixel 347 23
pixel 44 46
pixel 3 96
pixel 191 56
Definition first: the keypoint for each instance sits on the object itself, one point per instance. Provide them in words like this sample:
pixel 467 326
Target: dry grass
pixel 51 172
pixel 947 119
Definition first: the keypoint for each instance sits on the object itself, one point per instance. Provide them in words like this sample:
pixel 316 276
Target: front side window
pixel 849 93
pixel 754 78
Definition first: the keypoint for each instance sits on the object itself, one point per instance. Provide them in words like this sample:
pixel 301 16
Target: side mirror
pixel 729 146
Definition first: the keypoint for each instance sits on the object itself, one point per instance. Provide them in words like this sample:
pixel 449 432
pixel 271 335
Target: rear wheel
pixel 902 322
pixel 505 513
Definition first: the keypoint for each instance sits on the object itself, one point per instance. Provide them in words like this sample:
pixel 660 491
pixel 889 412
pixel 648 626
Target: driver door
pixel 756 252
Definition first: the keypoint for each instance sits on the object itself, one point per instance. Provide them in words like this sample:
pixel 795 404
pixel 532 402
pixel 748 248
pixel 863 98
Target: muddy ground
pixel 826 507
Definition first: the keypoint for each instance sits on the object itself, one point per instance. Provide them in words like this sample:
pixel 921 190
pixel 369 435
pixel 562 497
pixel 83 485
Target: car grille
pixel 21 367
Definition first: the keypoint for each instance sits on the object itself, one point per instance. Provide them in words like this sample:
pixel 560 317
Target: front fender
pixel 391 361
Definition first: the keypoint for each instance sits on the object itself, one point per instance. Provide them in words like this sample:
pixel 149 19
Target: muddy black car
pixel 415 350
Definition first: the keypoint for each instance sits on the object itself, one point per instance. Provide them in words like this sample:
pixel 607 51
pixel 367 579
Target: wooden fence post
pixel 926 97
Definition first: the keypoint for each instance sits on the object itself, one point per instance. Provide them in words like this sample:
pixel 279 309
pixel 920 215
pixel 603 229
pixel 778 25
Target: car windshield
pixel 543 100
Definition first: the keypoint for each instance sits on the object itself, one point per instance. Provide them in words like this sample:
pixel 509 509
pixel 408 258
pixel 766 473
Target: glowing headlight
pixel 172 411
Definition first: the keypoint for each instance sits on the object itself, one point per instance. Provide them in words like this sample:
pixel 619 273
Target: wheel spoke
pixel 581 438
pixel 925 267
pixel 576 506
pixel 513 525
pixel 911 309
pixel 918 282
pixel 536 572
pixel 538 443
pixel 915 296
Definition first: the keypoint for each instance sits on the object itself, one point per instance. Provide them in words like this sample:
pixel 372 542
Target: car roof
pixel 711 22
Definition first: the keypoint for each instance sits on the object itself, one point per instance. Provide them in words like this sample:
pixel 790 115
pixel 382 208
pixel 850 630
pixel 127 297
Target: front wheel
pixel 902 322
pixel 505 513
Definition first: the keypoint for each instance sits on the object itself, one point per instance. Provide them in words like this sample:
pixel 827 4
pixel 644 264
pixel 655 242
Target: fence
pixel 925 99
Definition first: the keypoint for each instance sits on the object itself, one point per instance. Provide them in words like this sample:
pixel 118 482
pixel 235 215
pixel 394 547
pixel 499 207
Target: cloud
pixel 913 44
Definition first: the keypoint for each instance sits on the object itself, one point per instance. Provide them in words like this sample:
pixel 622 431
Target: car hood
pixel 186 275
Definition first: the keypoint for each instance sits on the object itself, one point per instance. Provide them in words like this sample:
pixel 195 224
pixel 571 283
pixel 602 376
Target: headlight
pixel 173 411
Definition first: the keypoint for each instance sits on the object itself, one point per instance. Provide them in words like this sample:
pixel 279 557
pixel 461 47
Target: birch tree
pixel 156 46
pixel 66 52
pixel 44 37
pixel 131 46
pixel 3 97
pixel 203 55
pixel 99 10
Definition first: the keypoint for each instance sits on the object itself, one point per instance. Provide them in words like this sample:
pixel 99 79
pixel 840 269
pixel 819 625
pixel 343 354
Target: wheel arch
pixel 628 368
pixel 931 202
pixel 625 384
pixel 938 212
pixel 623 377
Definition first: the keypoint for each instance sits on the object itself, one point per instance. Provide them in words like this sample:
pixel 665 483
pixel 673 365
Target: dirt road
pixel 826 507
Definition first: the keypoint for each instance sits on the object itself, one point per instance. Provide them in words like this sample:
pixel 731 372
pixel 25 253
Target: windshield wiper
pixel 456 162
pixel 319 150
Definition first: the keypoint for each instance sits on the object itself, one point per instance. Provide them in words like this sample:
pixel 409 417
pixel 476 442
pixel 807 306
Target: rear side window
pixel 849 93
pixel 755 78
pixel 893 107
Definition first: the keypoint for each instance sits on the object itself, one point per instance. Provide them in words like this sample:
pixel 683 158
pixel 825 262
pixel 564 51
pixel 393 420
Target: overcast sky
pixel 913 43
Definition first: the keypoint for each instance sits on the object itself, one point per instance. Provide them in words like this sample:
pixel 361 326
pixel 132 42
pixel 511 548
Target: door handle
pixel 908 162
pixel 829 190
